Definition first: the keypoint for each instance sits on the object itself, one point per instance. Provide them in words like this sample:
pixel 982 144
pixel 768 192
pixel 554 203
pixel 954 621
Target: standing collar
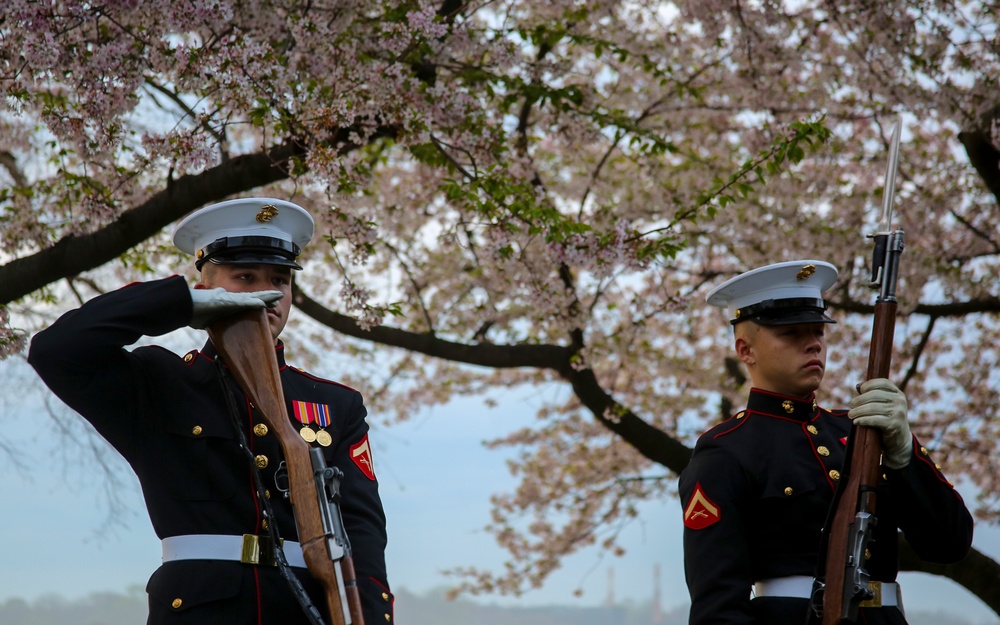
pixel 784 406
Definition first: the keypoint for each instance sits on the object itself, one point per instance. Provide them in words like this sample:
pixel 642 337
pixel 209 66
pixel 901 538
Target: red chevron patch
pixel 701 511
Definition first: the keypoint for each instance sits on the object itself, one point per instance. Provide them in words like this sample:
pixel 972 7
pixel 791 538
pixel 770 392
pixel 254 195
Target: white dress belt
pixel 248 548
pixel 798 586
pixel 887 594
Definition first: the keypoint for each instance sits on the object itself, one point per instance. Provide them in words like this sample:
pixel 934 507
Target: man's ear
pixel 200 285
pixel 744 350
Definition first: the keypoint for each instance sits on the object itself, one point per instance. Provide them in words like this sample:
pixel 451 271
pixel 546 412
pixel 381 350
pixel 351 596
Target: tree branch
pixel 650 441
pixel 983 155
pixel 977 572
pixel 75 254
pixel 483 354
pixel 952 309
pixel 9 162
pixel 72 254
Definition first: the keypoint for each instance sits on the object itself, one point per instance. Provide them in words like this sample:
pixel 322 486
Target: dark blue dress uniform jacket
pixel 168 417
pixel 756 496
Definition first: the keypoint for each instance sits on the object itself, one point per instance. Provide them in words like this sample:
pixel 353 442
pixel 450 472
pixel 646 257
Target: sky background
pixel 435 477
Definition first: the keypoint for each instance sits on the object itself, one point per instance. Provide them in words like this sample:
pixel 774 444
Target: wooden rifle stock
pixel 858 493
pixel 244 340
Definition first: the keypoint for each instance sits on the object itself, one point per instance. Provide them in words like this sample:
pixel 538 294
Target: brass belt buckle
pixel 876 600
pixel 258 550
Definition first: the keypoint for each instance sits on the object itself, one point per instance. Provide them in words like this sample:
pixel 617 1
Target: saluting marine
pixel 758 488
pixel 172 419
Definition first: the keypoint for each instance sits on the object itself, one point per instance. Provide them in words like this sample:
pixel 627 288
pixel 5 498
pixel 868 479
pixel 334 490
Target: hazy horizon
pixel 128 607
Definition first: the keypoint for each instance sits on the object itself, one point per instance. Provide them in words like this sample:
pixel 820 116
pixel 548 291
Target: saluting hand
pixel 209 305
pixel 881 405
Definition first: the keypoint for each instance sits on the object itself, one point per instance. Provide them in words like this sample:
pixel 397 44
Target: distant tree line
pixel 129 608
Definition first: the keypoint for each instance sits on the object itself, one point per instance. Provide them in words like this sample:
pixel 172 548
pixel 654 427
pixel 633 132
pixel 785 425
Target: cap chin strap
pixel 770 306
pixel 264 247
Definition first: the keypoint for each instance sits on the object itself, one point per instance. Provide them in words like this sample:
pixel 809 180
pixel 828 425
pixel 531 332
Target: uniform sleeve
pixel 931 513
pixel 364 518
pixel 81 357
pixel 714 492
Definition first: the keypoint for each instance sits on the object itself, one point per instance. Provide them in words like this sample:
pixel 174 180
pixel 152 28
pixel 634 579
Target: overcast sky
pixel 435 477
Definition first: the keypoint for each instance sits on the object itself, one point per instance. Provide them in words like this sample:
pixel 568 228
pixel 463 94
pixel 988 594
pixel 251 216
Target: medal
pixel 308 434
pixel 322 420
pixel 308 413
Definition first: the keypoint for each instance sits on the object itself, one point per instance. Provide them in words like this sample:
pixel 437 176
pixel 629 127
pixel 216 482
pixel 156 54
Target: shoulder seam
pixel 735 425
pixel 306 374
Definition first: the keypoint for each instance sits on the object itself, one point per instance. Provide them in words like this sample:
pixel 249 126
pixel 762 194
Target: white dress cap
pixel 246 231
pixel 779 294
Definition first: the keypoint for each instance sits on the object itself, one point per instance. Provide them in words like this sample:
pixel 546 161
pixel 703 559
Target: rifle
pixel 845 584
pixel 244 340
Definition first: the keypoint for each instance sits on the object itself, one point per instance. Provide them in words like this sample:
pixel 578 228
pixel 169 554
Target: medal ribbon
pixel 322 415
pixel 304 411
pixel 308 412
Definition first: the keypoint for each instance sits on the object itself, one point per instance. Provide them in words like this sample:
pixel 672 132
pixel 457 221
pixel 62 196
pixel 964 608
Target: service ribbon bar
pixel 305 411
pixel 322 414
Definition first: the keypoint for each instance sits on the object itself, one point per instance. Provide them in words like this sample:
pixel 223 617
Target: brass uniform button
pixel 868 555
pixel 923 450
pixel 260 429
pixel 815 405
pixel 263 524
pixel 812 429
pixel 387 617
pixel 788 406
pixel 267 494
pixel 196 430
pixel 188 357
pixel 741 414
pixel 834 475
pixel 261 461
pixel 823 451
pixel 788 491
pixel 176 603
pixel 937 466
pixel 385 596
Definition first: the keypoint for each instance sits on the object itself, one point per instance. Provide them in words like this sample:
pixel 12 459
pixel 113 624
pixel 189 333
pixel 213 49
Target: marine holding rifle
pixel 184 427
pixel 757 491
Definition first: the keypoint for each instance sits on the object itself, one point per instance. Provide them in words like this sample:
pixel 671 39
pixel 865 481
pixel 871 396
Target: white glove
pixel 881 405
pixel 211 304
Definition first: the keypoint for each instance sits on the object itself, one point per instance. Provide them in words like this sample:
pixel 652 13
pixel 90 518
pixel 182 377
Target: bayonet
pixel 883 249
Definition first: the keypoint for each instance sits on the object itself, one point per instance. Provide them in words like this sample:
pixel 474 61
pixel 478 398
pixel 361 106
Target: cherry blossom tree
pixel 512 194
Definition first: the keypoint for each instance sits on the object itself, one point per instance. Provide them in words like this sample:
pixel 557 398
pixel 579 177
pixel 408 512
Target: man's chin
pixel 807 385
pixel 810 386
pixel 274 323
